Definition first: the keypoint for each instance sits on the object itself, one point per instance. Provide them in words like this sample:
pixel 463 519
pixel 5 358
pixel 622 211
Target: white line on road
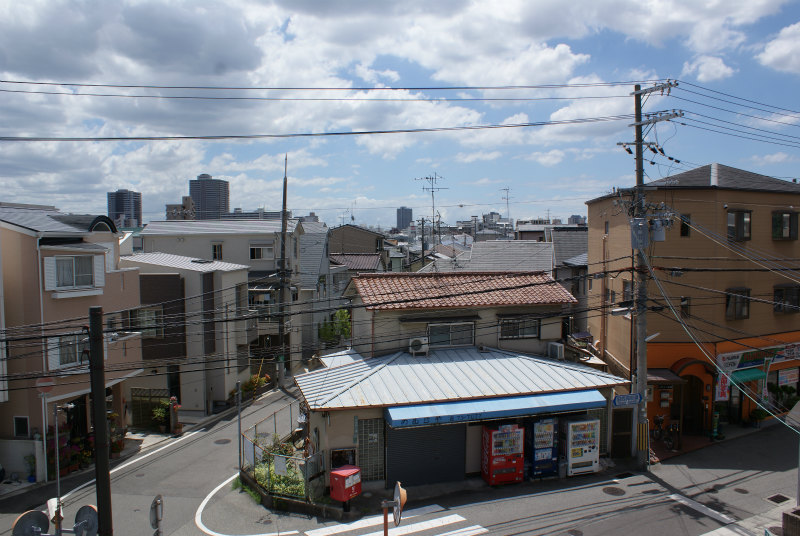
pixel 371 521
pixel 422 525
pixel 466 531
pixel 198 516
pixel 126 464
pixel 703 509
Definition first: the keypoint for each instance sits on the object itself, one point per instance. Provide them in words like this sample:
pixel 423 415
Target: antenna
pixel 508 210
pixel 432 188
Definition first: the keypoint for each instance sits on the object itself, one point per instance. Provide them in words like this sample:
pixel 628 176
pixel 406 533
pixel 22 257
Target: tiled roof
pixel 457 289
pixel 169 260
pixel 358 261
pixel 215 227
pixel 727 177
pixel 569 242
pixel 444 375
pixel 499 255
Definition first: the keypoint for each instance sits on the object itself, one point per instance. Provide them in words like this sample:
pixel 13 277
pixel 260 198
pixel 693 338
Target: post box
pixel 345 483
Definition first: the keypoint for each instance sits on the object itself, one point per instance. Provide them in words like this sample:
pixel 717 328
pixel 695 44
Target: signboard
pixel 45 384
pixel 758 357
pixel 723 388
pixel 788 376
pixel 627 400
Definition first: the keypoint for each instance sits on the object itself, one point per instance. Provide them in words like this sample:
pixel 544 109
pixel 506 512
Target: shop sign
pixel 757 358
pixel 788 376
pixel 723 384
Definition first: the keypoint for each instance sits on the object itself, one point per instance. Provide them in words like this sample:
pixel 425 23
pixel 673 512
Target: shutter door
pixel 426 455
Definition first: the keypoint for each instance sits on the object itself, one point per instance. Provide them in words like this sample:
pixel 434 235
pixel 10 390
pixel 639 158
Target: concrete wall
pixel 13 452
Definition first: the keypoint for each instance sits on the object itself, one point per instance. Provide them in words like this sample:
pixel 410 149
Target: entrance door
pixel 694 406
pixel 429 455
pixel 621 424
pixel 370 448
pixel 735 405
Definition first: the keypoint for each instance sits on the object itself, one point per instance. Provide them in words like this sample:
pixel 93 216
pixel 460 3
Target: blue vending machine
pixel 543 448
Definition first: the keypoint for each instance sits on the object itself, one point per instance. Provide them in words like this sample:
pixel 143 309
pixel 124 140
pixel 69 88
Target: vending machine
pixel 542 447
pixel 581 444
pixel 502 459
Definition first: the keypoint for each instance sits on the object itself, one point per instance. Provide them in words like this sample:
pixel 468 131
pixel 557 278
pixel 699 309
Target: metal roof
pixel 180 262
pixel 499 255
pixel 446 374
pixel 215 227
pixel 45 219
pixel 569 242
pixel 313 262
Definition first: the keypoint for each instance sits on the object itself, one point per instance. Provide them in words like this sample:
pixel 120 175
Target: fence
pixel 273 456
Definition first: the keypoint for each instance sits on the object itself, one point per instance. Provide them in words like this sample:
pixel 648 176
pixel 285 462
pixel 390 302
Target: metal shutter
pixel 426 455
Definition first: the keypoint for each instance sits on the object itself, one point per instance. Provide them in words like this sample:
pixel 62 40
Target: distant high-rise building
pixel 404 218
pixel 210 196
pixel 577 219
pixel 182 211
pixel 125 208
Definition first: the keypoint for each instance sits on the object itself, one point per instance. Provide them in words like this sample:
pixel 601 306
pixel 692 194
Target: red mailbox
pixel 345 483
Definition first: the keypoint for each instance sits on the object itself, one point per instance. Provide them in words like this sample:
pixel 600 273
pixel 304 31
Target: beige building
pixel 722 294
pixel 56 266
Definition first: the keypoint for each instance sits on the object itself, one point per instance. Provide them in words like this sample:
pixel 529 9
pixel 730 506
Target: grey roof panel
pixel 180 262
pixel 215 227
pixel 569 242
pixel 498 256
pixel 444 375
pixel 43 219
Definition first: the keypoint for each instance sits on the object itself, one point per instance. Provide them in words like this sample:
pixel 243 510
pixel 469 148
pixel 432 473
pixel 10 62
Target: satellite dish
pixel 25 523
pixel 399 501
pixel 88 516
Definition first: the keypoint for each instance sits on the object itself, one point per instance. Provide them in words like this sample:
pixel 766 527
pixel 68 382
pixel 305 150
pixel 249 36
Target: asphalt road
pixel 697 493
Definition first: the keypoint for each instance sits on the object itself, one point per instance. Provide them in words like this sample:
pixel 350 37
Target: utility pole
pixel 640 234
pixel 98 385
pixel 508 209
pixel 282 283
pixel 432 189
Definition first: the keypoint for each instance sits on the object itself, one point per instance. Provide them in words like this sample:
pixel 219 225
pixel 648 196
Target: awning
pixel 747 375
pixel 492 408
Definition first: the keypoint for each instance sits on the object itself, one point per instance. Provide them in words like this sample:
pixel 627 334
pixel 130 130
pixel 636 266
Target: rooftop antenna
pixel 432 188
pixel 508 209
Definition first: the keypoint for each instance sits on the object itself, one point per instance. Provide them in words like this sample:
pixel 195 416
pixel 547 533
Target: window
pixel 216 252
pixel 784 225
pixel 606 227
pixel 737 303
pixel 21 427
pixel 611 296
pixel 73 350
pixel 74 272
pixel 458 334
pixel 786 299
pixel 686 219
pixel 259 252
pixel 627 290
pixel 739 225
pixel 685 303
pixel 151 322
pixel 519 328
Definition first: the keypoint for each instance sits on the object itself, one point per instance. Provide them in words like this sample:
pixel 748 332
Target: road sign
pixel 627 400
pixel 45 384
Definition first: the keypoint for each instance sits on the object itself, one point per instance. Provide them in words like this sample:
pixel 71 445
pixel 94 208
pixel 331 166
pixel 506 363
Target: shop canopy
pixel 747 375
pixel 492 408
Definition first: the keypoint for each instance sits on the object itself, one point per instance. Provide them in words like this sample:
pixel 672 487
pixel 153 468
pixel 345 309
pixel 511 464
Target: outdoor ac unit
pixel 556 351
pixel 418 345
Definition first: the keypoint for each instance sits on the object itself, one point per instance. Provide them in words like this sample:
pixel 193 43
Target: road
pixel 694 494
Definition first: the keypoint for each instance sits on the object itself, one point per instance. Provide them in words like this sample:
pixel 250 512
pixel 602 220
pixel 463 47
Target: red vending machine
pixel 502 459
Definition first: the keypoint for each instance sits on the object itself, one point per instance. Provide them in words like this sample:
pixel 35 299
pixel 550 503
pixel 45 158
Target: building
pixel 55 267
pixel 258 214
pixel 198 362
pixel 125 208
pixel 498 256
pixel 210 196
pixel 570 247
pixel 722 321
pixel 183 211
pixel 404 218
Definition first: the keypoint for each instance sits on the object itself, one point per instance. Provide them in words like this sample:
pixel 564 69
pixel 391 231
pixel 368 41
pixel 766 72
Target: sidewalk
pixel 689 443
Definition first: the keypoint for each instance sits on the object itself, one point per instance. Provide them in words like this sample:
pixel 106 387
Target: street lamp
pixel 56 409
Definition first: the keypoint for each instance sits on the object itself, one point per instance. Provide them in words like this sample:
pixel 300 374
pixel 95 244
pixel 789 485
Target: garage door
pixel 425 455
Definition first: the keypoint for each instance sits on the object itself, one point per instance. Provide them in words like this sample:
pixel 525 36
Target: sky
pixel 516 107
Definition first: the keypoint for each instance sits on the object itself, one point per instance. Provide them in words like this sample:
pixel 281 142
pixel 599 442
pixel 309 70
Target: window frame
pixel 685 305
pixel 737 303
pixel 73 342
pixel 150 328
pixel 627 290
pixel 60 259
pixel 261 249
pixel 19 419
pixel 779 231
pixel 686 220
pixel 451 325
pixel 742 228
pixel 216 251
pixel 520 325
pixel 781 304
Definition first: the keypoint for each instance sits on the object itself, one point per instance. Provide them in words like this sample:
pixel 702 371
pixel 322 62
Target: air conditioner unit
pixel 418 345
pixel 556 351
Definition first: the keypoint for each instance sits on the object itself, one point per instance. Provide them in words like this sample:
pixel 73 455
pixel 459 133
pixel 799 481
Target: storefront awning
pixel 492 408
pixel 747 375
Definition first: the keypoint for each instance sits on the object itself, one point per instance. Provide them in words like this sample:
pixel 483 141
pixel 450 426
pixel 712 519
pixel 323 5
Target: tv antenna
pixel 432 188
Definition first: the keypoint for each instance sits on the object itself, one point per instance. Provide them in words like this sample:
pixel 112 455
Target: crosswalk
pixel 428 518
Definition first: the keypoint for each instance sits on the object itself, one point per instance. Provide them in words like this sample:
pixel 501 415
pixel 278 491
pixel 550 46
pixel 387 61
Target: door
pixel 621 425
pixel 694 406
pixel 426 455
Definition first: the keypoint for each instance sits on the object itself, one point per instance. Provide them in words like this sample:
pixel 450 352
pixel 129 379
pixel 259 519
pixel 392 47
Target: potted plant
pixel 30 461
pixel 758 415
pixel 160 417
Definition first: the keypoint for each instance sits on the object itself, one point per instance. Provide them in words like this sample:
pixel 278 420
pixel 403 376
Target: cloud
pixel 707 69
pixel 550 158
pixel 775 158
pixel 783 52
pixel 468 158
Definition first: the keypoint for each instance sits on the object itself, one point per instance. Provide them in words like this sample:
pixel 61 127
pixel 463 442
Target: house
pixel 517 311
pixel 418 417
pixel 354 239
pixel 570 253
pixel 55 267
pixel 498 255
pixel 723 301
pixel 195 332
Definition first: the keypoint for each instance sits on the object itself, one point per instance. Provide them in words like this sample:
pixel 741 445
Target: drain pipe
pixel 44 350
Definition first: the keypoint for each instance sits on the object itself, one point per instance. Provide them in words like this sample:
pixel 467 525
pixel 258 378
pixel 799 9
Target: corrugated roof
pixel 45 219
pixel 169 260
pixel 569 242
pixel 213 227
pixel 499 255
pixel 358 261
pixel 403 290
pixel 312 253
pixel 444 375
